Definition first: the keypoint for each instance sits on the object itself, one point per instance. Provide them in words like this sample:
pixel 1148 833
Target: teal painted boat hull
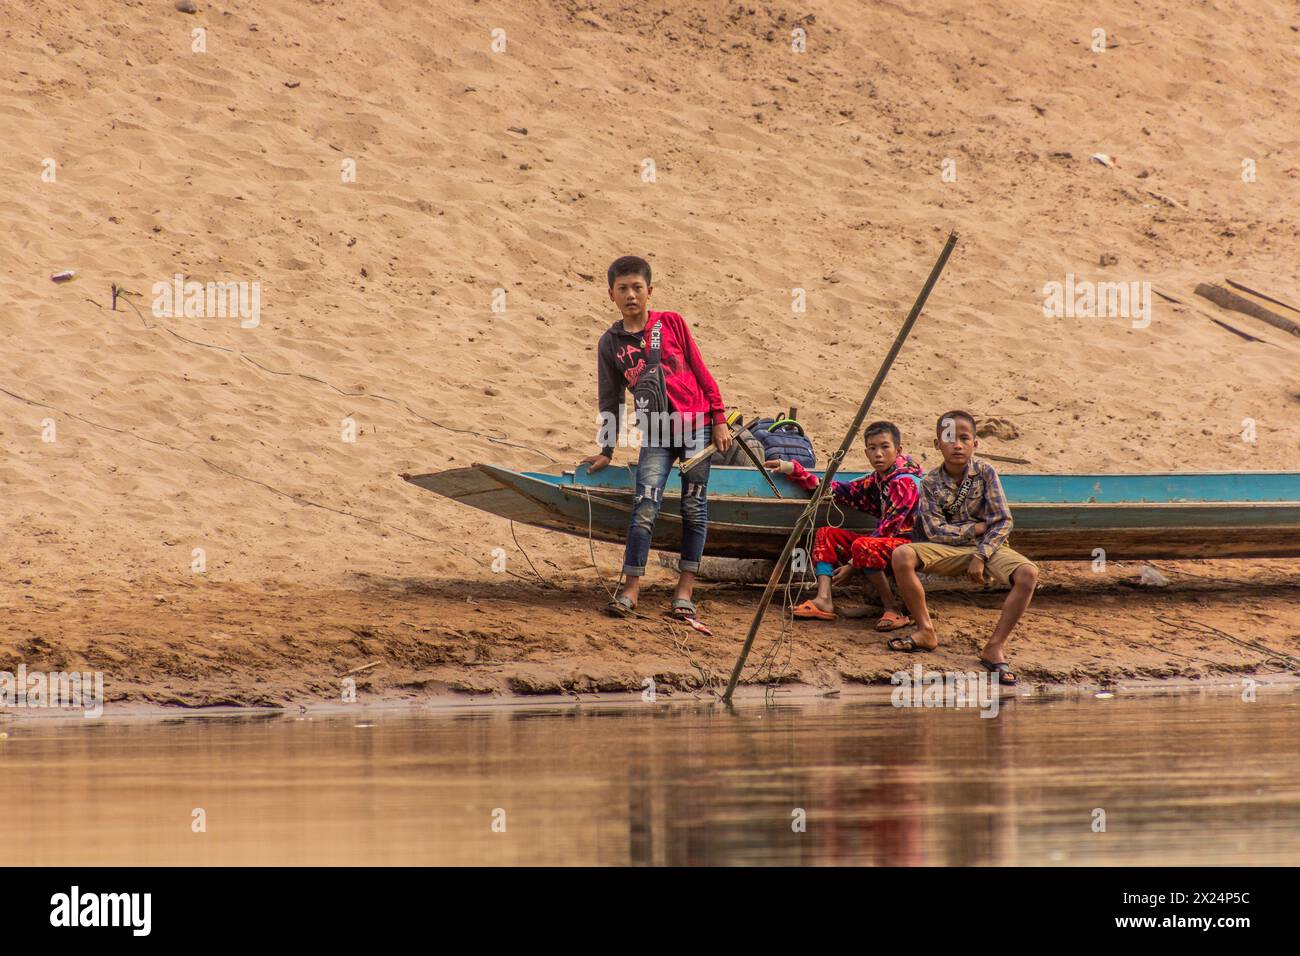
pixel 1057 517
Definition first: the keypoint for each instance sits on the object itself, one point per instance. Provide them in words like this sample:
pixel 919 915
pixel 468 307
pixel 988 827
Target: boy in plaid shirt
pixel 962 530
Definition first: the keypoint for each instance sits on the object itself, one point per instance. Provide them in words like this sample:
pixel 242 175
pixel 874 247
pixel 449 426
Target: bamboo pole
pixel 809 514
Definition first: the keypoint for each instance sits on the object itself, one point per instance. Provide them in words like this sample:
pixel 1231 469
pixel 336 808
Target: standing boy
pixel 965 520
pixel 692 416
pixel 890 494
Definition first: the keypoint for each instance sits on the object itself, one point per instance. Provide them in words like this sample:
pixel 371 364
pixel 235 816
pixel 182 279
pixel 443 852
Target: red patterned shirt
pixel 892 499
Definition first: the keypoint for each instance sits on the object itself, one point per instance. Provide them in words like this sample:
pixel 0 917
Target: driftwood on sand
pixel 1219 322
pixel 1230 300
pixel 1260 295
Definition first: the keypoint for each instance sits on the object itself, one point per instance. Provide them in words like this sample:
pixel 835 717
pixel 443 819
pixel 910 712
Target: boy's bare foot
pixel 994 654
pixel 994 659
pixel 922 639
pixel 861 611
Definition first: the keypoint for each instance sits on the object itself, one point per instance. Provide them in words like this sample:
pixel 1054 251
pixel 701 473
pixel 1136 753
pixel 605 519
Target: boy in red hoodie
pixel 695 417
pixel 891 494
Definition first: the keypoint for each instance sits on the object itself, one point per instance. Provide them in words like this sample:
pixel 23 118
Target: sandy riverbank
pixel 170 643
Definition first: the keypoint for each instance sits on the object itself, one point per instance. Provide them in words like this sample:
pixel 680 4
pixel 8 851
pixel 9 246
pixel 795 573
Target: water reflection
pixel 1197 777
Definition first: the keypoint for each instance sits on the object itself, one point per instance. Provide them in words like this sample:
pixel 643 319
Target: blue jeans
pixel 652 471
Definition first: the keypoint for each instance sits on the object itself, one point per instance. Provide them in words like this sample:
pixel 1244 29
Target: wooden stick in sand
pixel 1266 298
pixel 363 667
pixel 810 513
pixel 1239 303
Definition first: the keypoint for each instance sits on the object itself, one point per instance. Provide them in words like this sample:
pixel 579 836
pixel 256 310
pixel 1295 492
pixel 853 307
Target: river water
pixel 1190 777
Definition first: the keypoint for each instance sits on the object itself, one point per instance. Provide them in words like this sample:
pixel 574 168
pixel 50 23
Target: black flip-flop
pixel 1003 670
pixel 909 646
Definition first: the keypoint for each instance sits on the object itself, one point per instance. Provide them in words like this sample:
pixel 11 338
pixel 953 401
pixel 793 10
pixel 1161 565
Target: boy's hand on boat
pixel 722 437
pixel 784 467
pixel 595 462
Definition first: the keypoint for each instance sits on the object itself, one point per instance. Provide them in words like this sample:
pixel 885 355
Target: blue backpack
pixel 783 440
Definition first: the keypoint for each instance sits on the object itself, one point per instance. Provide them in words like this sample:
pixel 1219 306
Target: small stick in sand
pixel 1236 331
pixel 363 667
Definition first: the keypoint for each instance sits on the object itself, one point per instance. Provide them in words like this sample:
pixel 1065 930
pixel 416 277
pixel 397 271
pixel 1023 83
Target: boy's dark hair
pixel 954 414
pixel 628 266
pixel 875 428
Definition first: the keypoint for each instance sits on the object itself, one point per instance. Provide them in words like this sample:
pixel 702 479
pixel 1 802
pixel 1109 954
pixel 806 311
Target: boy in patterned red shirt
pixel 890 493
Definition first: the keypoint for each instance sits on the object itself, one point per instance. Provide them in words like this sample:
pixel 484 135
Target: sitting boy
pixel 890 494
pixel 965 522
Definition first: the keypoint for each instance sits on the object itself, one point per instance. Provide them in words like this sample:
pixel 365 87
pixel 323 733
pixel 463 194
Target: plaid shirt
pixel 985 501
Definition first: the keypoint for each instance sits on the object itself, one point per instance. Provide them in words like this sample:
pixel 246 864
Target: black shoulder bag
pixel 950 509
pixel 650 394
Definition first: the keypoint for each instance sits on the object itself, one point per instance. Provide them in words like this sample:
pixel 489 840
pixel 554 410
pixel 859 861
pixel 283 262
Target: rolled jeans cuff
pixel 631 572
pixel 691 566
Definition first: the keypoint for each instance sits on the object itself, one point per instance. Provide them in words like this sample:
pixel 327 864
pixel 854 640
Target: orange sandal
pixel 892 621
pixel 809 611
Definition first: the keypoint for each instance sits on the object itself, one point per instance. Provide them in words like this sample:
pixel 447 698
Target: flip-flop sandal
pixel 621 606
pixel 906 646
pixel 1005 676
pixel 808 611
pixel 684 611
pixel 892 621
pixel 681 609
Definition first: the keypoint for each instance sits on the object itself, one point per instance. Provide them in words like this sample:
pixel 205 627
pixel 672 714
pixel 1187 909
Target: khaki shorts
pixel 951 561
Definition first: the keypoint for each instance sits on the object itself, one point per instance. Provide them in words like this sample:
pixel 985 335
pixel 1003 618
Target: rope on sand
pixel 527 558
pixel 591 544
pixel 1256 646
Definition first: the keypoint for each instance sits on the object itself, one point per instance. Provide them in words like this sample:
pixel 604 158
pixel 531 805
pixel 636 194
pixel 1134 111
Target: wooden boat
pixel 1057 517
